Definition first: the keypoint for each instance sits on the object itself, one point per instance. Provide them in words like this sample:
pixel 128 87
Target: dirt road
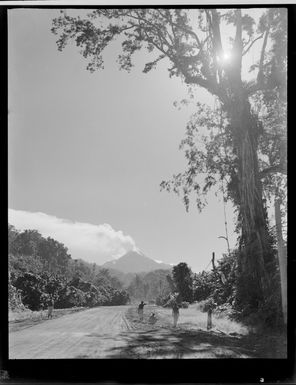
pixel 116 332
pixel 88 334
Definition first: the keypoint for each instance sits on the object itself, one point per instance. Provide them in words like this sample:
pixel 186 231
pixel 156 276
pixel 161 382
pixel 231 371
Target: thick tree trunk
pixel 255 249
pixel 282 258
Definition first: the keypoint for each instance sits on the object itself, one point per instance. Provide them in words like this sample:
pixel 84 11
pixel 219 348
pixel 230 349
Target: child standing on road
pixel 152 319
pixel 141 310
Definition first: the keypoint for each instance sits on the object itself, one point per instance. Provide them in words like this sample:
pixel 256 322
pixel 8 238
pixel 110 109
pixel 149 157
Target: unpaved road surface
pixel 91 333
pixel 116 332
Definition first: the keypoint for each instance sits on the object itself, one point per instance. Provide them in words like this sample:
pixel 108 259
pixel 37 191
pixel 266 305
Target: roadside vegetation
pixel 22 319
pixel 191 339
pixel 217 290
pixel 41 268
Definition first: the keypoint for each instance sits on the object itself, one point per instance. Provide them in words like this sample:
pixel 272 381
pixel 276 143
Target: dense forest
pixel 41 268
pixel 150 286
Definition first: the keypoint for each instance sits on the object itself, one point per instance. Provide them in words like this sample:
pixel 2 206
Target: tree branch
pixel 273 169
pixel 260 76
pixel 153 26
pixel 186 30
pixel 263 49
pixel 252 43
pixel 211 86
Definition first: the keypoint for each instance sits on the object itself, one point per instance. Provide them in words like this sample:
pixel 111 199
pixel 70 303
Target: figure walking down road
pixel 175 313
pixel 50 308
pixel 141 310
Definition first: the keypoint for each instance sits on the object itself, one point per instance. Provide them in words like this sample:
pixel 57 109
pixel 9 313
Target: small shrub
pixel 201 306
pixel 205 305
pixel 15 301
pixel 226 310
pixel 184 305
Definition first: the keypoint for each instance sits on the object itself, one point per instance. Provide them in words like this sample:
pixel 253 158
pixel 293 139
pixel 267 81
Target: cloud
pixel 93 243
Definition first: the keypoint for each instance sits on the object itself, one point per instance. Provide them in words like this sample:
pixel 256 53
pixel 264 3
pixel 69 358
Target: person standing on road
pixel 175 313
pixel 50 308
pixel 141 310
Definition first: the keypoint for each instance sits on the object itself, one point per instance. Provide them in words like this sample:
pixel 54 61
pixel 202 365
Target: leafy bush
pixel 31 288
pixel 184 305
pixel 68 297
pixel 14 298
pixel 227 310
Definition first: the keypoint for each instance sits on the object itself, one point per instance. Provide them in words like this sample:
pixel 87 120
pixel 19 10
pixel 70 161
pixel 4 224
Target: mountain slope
pixel 135 262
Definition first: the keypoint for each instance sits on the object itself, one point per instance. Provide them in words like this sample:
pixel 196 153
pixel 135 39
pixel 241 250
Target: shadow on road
pixel 178 343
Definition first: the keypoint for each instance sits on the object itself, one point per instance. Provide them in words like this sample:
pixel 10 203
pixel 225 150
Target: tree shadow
pixel 180 343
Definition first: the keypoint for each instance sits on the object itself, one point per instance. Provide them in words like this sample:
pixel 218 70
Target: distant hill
pixel 135 262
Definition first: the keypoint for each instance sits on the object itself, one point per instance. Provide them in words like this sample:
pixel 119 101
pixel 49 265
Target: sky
pixel 88 151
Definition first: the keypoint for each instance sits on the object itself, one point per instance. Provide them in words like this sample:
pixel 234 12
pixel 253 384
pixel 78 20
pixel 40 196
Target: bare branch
pixel 252 43
pixel 210 85
pixel 259 85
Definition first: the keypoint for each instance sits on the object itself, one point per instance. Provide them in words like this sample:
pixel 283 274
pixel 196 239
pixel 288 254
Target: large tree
pixel 194 42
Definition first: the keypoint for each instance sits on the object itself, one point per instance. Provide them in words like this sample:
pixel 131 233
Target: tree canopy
pixel 183 279
pixel 207 48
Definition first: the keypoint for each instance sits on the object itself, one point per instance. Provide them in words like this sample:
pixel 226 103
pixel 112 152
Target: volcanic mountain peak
pixel 135 262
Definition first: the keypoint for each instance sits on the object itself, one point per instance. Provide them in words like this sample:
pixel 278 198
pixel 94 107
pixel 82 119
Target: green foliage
pixel 174 298
pixel 209 154
pixel 183 279
pixel 14 298
pixel 31 288
pixel 49 272
pixel 149 286
pixel 70 296
pixel 105 278
pixel 218 286
pixel 203 284
pixel 185 305
pixel 23 263
pixel 226 291
pixel 209 304
pixel 35 291
pixel 171 283
pixel 28 250
pixel 161 300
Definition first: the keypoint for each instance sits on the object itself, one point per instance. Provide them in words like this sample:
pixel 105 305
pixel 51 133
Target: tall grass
pixel 194 318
